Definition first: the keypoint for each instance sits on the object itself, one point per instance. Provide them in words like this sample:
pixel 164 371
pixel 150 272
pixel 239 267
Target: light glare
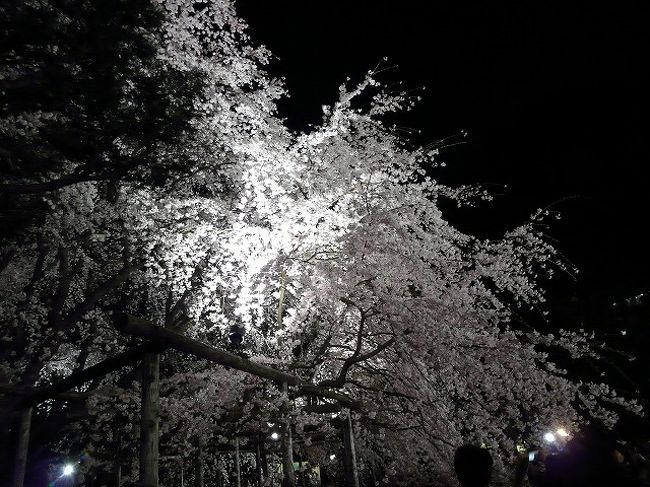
pixel 275 436
pixel 549 437
pixel 68 470
pixel 562 432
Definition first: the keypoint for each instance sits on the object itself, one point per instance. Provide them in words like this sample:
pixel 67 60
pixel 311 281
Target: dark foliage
pixel 107 106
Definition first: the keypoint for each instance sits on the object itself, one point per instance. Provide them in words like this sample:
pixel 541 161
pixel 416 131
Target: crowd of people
pixel 587 460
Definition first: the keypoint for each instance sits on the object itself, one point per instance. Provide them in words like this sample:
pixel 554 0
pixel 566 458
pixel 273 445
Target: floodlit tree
pixel 327 248
pixel 349 271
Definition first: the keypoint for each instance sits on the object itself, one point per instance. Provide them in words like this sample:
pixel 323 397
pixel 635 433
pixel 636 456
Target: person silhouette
pixel 473 466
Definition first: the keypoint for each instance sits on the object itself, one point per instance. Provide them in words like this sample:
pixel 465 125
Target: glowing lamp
pixel 68 470
pixel 549 437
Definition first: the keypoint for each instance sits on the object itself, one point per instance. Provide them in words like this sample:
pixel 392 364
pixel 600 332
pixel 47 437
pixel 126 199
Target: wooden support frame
pixel 158 339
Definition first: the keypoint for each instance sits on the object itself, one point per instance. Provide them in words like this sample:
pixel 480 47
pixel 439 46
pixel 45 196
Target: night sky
pixel 553 96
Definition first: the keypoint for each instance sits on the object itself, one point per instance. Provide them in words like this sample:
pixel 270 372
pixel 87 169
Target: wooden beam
pixel 149 420
pixel 325 392
pixel 171 339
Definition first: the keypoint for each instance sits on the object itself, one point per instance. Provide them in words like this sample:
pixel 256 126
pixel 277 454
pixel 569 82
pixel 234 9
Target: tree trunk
pixel 287 444
pixel 20 463
pixel 149 420
pixel 198 463
pixel 350 460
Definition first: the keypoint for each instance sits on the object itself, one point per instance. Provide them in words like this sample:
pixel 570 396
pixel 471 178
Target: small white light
pixel 332 456
pixel 275 436
pixel 549 437
pixel 68 470
pixel 562 432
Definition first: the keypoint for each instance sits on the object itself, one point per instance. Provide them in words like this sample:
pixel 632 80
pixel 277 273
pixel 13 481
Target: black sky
pixel 553 96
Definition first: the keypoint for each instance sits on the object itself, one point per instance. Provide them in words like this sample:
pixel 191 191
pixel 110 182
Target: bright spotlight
pixel 549 437
pixel 332 456
pixel 68 470
pixel 562 432
pixel 275 436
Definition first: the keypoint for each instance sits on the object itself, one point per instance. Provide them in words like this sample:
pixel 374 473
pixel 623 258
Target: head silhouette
pixel 473 466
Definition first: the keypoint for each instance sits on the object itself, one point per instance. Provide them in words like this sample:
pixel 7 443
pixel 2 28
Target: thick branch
pixel 91 301
pixel 44 187
pixel 350 361
pixel 16 390
pixel 79 378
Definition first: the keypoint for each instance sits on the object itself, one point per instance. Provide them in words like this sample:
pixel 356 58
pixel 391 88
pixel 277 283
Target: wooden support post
pixel 289 476
pixel 198 463
pixel 265 461
pixel 117 474
pixel 303 471
pixel 237 462
pixel 149 420
pixel 258 463
pixel 20 463
pixel 350 459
